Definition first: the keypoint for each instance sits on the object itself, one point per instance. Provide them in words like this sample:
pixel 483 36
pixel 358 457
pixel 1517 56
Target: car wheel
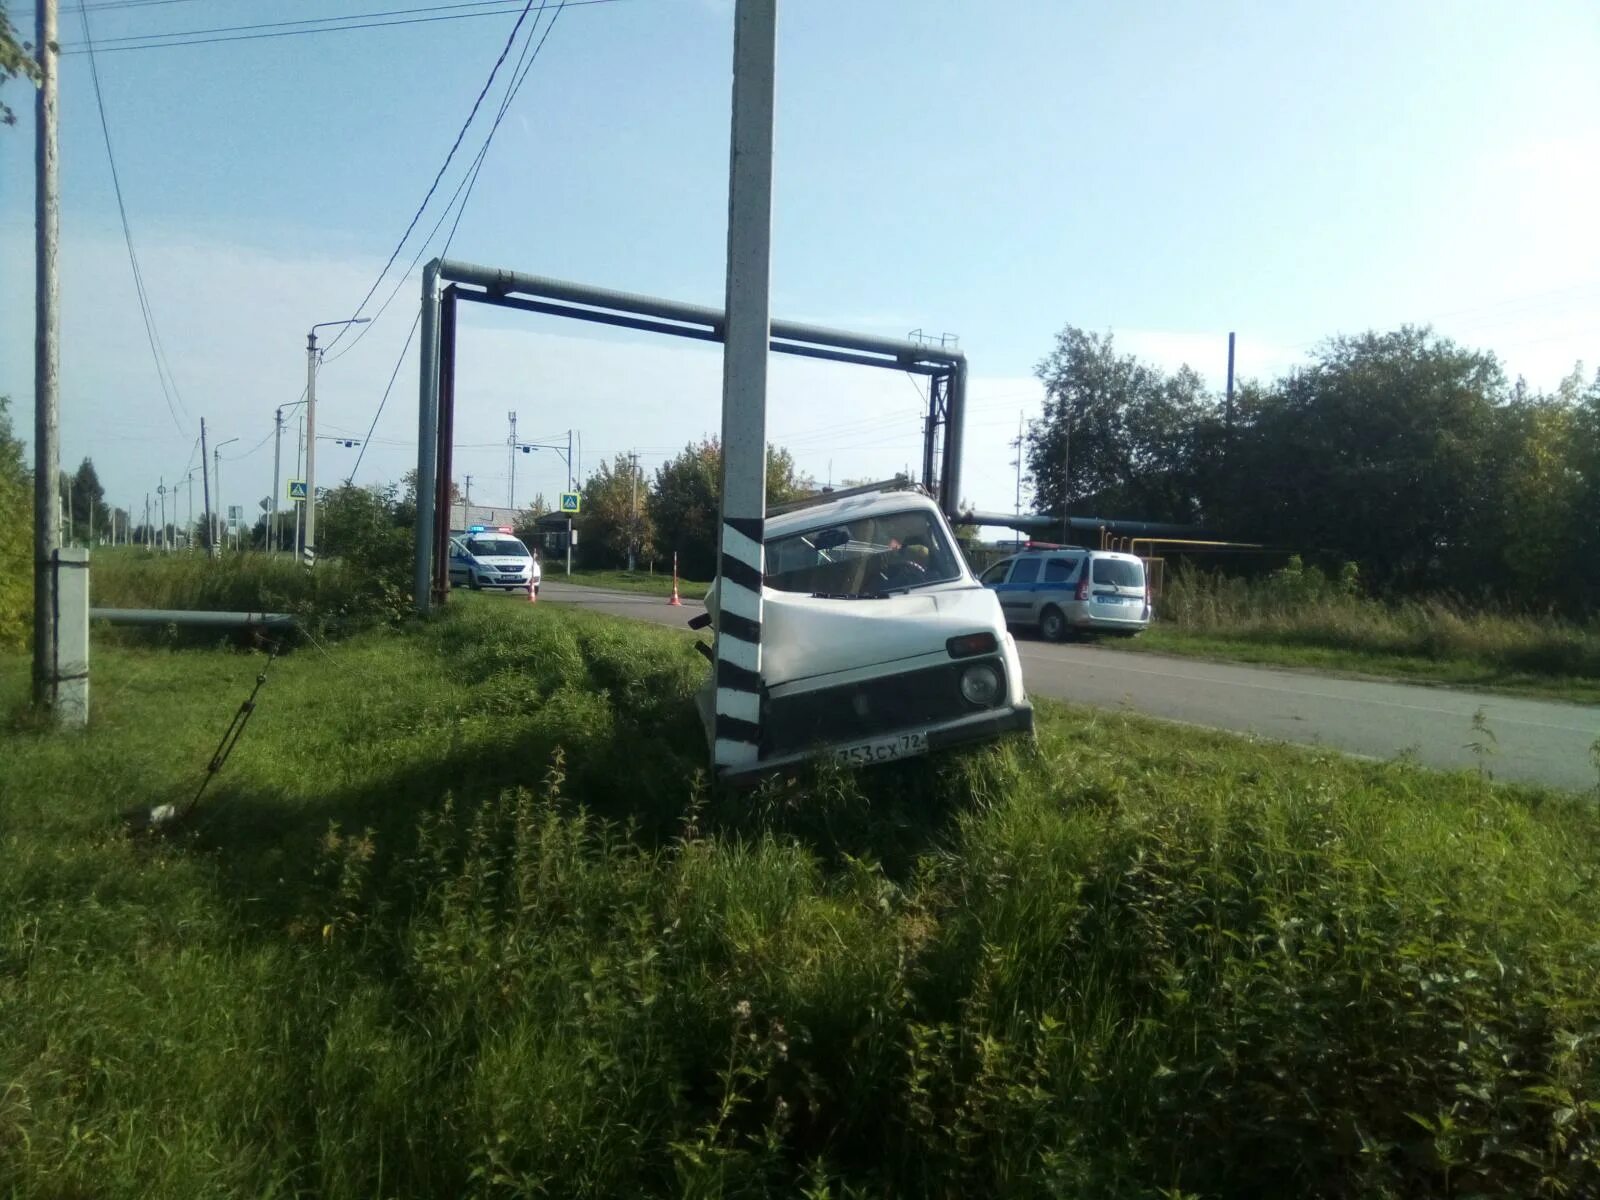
pixel 1053 625
pixel 472 582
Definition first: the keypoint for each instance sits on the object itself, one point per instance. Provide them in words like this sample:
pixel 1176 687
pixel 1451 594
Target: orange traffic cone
pixel 675 602
pixel 533 592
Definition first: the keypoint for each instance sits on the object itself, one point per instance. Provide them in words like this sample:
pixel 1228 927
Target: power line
pixel 164 41
pixel 469 178
pixel 367 441
pixel 519 73
pixel 24 14
pixel 498 7
pixel 443 167
pixel 157 351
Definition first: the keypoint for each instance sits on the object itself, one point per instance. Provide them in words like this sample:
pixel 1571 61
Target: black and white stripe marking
pixel 738 727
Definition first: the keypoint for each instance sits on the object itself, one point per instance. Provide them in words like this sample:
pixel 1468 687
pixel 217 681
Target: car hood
pixel 500 562
pixel 805 635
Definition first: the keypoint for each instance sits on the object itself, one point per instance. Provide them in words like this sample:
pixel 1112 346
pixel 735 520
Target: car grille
pixel 855 711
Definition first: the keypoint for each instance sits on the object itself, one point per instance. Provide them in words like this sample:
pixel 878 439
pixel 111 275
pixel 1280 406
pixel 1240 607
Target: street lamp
pixel 216 469
pixel 277 449
pixel 309 549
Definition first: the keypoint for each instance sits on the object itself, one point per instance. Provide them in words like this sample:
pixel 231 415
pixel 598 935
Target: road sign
pixel 236 513
pixel 297 489
pixel 571 502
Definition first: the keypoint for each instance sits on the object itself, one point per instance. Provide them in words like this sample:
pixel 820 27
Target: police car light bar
pixel 476 528
pixel 505 529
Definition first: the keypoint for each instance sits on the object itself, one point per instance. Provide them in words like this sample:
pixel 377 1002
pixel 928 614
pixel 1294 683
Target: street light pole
pixel 309 549
pixel 216 465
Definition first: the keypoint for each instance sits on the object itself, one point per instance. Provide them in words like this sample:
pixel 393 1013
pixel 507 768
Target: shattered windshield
pixel 870 556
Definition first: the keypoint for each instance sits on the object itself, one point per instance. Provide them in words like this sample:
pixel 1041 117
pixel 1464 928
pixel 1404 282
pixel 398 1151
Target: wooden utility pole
pixel 46 370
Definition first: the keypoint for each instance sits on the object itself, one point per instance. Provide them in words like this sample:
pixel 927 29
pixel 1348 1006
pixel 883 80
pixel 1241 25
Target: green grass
pixel 461 917
pixel 336 597
pixel 644 582
pixel 1300 619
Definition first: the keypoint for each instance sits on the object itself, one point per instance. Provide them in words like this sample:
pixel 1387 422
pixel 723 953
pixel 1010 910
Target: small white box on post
pixel 71 668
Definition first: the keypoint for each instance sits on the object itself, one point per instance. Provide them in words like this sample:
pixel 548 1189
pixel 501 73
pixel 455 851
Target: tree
pixel 684 500
pixel 90 516
pixel 16 59
pixel 16 537
pixel 1117 435
pixel 1379 452
pixel 616 514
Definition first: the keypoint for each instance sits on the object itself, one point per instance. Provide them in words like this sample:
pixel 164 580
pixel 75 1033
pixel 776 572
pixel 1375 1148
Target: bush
pixel 16 539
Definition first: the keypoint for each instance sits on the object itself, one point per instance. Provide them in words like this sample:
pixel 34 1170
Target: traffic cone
pixel 675 602
pixel 533 592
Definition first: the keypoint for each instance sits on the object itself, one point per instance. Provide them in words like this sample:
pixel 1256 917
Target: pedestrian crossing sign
pixel 297 489
pixel 570 502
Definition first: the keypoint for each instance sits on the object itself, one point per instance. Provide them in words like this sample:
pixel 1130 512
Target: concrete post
pixel 427 438
pixel 72 637
pixel 737 734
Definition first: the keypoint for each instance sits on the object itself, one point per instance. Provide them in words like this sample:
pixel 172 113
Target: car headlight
pixel 980 685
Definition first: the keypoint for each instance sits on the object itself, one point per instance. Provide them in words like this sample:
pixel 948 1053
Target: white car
pixel 876 641
pixel 485 558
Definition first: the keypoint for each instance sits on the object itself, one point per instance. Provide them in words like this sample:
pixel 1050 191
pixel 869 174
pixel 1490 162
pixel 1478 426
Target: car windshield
pixel 496 548
pixel 1119 572
pixel 870 556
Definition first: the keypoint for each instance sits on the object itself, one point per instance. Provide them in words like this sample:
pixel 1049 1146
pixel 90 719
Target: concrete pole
pixel 272 510
pixel 511 471
pixel 427 438
pixel 205 487
pixel 737 732
pixel 222 510
pixel 72 651
pixel 308 550
pixel 46 366
pixel 569 488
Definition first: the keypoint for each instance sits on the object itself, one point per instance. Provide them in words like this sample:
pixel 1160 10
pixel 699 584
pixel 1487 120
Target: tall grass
pixel 466 919
pixel 336 595
pixel 1303 607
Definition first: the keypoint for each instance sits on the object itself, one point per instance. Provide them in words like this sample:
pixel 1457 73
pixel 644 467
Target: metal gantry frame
pixel 446 282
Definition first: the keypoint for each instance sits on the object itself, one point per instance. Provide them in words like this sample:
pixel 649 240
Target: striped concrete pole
pixel 744 390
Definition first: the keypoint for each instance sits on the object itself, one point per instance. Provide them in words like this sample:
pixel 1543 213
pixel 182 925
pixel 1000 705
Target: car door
pixel 1019 594
pixel 458 561
pixel 1060 576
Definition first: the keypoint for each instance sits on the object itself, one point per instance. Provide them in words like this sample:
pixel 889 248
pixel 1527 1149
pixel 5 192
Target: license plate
pixel 904 745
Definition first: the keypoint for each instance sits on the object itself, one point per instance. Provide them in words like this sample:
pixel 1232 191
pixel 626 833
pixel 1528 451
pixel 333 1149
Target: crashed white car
pixel 877 642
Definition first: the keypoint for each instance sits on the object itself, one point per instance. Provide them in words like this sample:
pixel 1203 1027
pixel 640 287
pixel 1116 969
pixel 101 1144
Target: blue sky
pixel 1165 171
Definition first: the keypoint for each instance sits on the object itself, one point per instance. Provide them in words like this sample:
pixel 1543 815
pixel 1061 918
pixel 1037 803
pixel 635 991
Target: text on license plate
pixel 900 746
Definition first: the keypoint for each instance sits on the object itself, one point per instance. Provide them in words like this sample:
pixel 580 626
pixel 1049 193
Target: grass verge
pixel 643 582
pixel 1299 617
pixel 1270 651
pixel 462 917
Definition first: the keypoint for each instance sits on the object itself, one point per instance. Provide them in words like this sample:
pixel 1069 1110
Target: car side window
pixel 1060 570
pixel 1026 570
pixel 995 574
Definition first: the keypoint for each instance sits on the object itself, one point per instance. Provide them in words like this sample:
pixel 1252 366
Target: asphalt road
pixel 1535 741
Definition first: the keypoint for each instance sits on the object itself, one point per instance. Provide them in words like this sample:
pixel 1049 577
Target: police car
pixel 485 557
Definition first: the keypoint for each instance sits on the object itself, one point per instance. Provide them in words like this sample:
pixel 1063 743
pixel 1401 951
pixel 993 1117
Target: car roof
pixel 848 508
pixel 1076 551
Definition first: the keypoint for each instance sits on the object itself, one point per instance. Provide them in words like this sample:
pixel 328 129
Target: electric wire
pixel 443 167
pixel 469 178
pixel 152 42
pixel 517 78
pixel 157 350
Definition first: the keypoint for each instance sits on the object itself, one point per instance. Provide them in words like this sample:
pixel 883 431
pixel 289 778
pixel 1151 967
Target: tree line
pixel 1403 452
